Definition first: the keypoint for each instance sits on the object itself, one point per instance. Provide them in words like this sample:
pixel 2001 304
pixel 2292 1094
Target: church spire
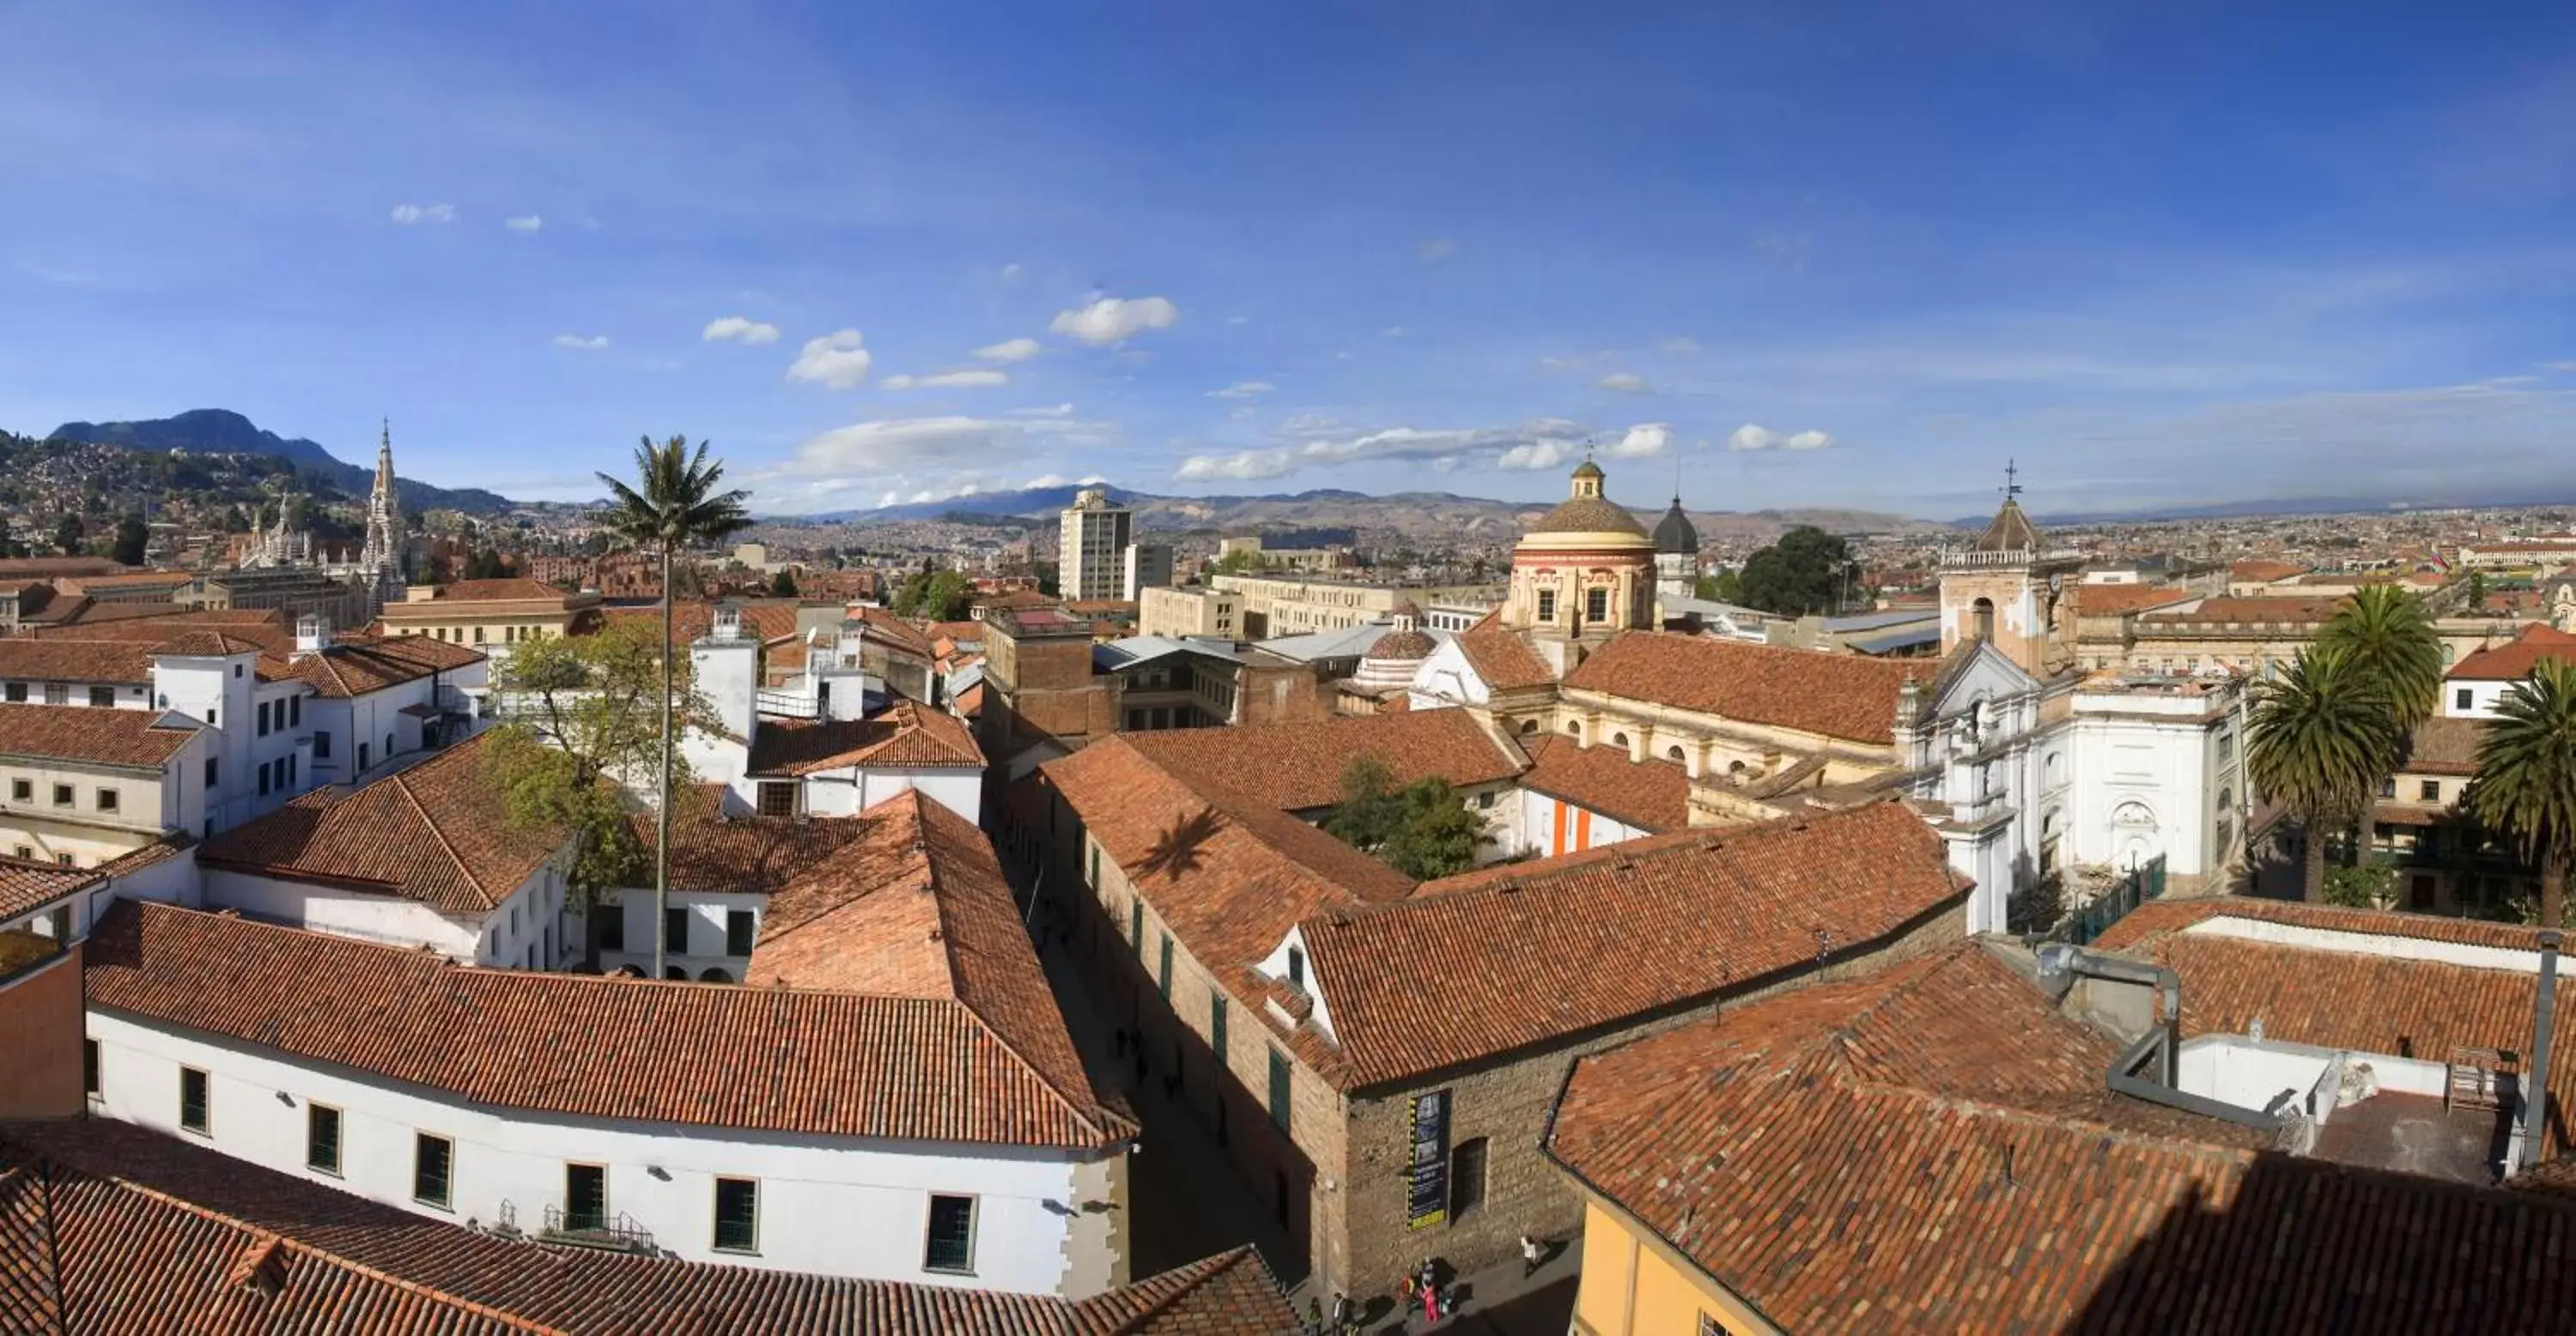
pixel 383 552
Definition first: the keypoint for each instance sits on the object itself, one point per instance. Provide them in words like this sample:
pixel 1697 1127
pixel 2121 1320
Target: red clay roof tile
pixel 1847 696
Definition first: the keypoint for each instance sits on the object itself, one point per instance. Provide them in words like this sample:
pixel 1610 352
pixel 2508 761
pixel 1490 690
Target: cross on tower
pixel 2012 479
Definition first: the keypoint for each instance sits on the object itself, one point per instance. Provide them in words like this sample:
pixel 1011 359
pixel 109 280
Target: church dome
pixel 1589 514
pixel 1403 644
pixel 1674 535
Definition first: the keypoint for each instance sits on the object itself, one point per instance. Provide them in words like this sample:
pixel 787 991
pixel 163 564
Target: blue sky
pixel 1805 253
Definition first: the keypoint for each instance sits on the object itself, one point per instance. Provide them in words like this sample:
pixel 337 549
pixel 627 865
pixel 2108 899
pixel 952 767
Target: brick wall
pixel 41 1028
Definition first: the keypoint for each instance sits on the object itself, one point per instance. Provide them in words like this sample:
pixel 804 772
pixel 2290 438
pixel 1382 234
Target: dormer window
pixel 1297 968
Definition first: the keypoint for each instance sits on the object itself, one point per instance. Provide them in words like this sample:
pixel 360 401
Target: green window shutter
pixel 1167 967
pixel 1279 1089
pixel 1216 1027
pixel 1136 925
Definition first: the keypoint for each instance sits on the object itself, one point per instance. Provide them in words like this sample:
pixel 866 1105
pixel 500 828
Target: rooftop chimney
pixel 2531 1130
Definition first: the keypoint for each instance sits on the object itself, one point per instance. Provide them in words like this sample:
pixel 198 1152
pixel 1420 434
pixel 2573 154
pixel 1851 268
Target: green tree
pixel 131 538
pixel 2526 784
pixel 783 584
pixel 1438 835
pixel 940 596
pixel 1723 587
pixel 2388 634
pixel 484 564
pixel 1801 573
pixel 2321 738
pixel 67 535
pixel 2477 591
pixel 673 503
pixel 1369 812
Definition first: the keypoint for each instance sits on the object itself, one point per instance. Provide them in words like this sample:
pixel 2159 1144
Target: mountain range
pixel 222 431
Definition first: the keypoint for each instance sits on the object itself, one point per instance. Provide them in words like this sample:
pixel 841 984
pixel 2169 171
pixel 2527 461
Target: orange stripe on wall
pixel 1582 829
pixel 1557 845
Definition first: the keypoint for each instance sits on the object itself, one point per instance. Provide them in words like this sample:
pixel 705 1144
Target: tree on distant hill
pixel 67 535
pixel 1801 573
pixel 485 564
pixel 2526 784
pixel 131 538
pixel 782 585
pixel 235 521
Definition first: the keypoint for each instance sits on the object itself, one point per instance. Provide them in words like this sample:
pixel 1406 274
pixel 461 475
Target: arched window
pixel 1574 730
pixel 1529 726
pixel 675 972
pixel 714 974
pixel 1674 754
pixel 1981 619
pixel 1619 739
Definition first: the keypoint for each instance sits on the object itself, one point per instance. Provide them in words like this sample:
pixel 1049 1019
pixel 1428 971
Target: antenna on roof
pixel 2012 479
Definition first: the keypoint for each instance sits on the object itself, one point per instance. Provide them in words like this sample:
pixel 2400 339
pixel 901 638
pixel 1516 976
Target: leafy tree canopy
pixel 1799 574
pixel 1422 830
pixel 941 596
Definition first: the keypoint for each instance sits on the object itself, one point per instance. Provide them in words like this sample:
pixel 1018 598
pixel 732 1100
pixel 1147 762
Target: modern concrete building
pixel 1092 549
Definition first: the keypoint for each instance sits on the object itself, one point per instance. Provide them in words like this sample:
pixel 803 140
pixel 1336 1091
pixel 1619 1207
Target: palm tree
pixel 2526 784
pixel 2322 737
pixel 2387 630
pixel 673 504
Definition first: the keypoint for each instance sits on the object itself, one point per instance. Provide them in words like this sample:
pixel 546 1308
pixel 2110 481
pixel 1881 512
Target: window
pixel 737 1215
pixel 1547 605
pixel 62 860
pixel 17 693
pixel 263 718
pixel 22 790
pixel 389 744
pixel 1297 968
pixel 778 799
pixel 2429 790
pixel 1136 924
pixel 1279 1089
pixel 322 745
pixel 263 779
pixel 1485 800
pixel 26 851
pixel 612 927
pixel 2388 788
pixel 1095 866
pixel 675 932
pixel 585 1196
pixel 107 800
pixel 738 931
pixel 89 1066
pixel 213 770
pixel 103 697
pixel 1216 1027
pixel 1466 1178
pixel 321 1137
pixel 2463 699
pixel 951 1245
pixel 58 693
pixel 1596 605
pixel 362 756
pixel 478 635
pixel 432 1161
pixel 1167 966
pixel 192 1099
pixel 62 795
pixel 295 711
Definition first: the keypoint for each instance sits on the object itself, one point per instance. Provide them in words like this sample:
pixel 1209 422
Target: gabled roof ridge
pixel 1496 878
pixel 402 783
pixel 52 1159
pixel 1185 1281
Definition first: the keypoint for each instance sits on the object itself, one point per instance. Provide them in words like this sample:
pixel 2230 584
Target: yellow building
pixel 489 612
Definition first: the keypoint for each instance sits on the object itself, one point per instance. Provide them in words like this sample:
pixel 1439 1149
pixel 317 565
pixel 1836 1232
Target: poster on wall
pixel 1428 1202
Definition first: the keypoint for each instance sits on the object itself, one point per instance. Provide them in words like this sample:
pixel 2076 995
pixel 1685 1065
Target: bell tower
pixel 2006 589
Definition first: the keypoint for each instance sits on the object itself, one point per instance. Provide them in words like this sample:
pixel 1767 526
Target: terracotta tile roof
pixel 354 668
pixel 69 660
pixel 2514 661
pixel 2108 600
pixel 270 635
pixel 27 885
pixel 127 580
pixel 1932 1150
pixel 134 739
pixel 887 629
pixel 2265 571
pixel 207 644
pixel 691 619
pixel 762 1059
pixel 1652 795
pixel 1510 957
pixel 1291 767
pixel 2258 611
pixel 489 591
pixel 139 1232
pixel 1502 659
pixel 1847 696
pixel 2158 918
pixel 437 833
pixel 906 734
pixel 963 633
pixel 2443 745
pixel 41 567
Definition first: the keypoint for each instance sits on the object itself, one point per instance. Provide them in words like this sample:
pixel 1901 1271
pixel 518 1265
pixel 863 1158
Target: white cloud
pixel 1238 320
pixel 592 343
pixel 836 361
pixel 1536 455
pixel 1009 350
pixel 966 379
pixel 2569 365
pixel 1113 319
pixel 408 214
pixel 1435 250
pixel 1625 382
pixel 739 329
pixel 1043 480
pixel 1681 344
pixel 1243 389
pixel 1010 272
pixel 531 223
pixel 1752 436
pixel 1643 441
pixel 1052 411
pixel 1392 332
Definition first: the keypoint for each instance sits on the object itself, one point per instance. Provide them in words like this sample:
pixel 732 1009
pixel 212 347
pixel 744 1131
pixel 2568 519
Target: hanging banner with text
pixel 1428 1203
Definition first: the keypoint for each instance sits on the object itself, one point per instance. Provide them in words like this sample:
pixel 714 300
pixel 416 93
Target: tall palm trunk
pixel 662 816
pixel 2553 887
pixel 2312 863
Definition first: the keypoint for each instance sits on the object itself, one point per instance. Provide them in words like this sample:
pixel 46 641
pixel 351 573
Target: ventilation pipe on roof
pixel 2531 1125
pixel 2160 1047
